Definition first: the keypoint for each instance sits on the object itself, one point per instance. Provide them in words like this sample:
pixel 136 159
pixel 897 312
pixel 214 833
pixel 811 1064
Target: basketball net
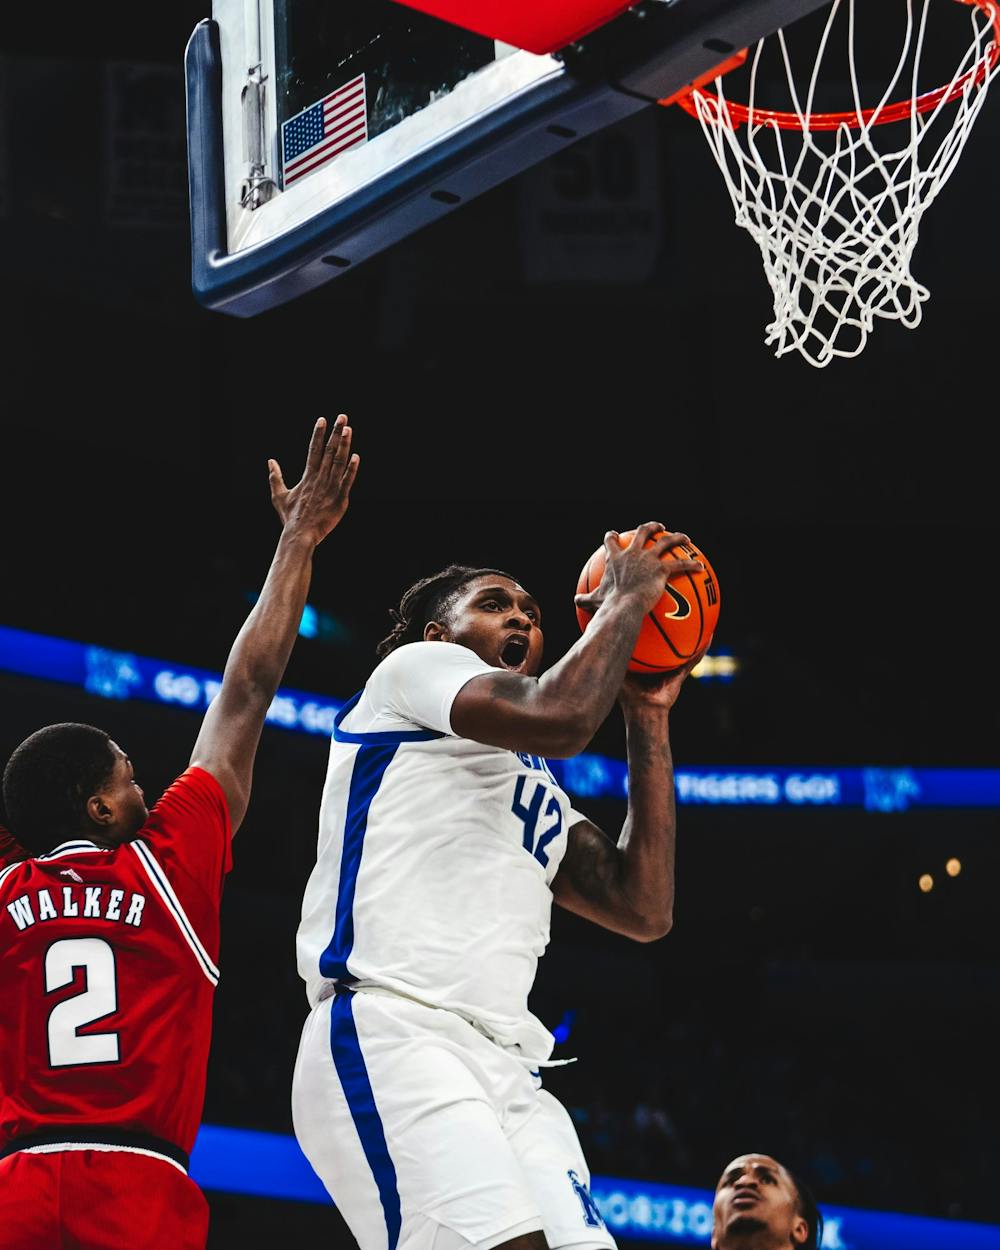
pixel 836 218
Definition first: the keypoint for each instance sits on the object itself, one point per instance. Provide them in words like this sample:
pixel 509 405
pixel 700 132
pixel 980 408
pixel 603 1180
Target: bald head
pixel 758 1206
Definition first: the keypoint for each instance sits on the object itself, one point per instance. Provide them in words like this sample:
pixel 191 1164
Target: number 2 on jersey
pixel 98 999
pixel 529 813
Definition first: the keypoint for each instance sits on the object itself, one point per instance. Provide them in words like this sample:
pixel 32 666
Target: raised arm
pixel 230 732
pixel 629 887
pixel 557 714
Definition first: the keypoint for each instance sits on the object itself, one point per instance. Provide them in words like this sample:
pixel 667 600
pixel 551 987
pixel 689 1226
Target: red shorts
pixel 99 1200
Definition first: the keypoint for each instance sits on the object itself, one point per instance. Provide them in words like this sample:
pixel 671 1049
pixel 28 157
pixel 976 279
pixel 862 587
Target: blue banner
pixel 271 1165
pixel 122 675
pixel 645 1211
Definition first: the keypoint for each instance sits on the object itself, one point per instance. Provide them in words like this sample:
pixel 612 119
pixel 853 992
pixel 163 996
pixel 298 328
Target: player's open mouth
pixel 514 651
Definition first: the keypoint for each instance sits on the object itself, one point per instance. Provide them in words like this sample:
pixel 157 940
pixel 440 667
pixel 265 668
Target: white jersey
pixel 436 854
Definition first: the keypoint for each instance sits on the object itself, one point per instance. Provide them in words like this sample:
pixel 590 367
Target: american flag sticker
pixel 312 138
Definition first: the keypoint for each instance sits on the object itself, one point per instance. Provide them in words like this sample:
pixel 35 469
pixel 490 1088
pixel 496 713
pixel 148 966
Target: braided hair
pixel 809 1211
pixel 430 599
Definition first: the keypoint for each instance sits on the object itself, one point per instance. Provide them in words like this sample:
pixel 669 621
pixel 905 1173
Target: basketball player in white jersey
pixel 443 840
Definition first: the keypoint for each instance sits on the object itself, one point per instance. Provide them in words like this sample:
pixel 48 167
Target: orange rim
pixel 740 114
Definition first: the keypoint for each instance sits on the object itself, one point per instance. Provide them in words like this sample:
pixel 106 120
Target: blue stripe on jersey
pixel 382 737
pixel 370 764
pixel 350 1065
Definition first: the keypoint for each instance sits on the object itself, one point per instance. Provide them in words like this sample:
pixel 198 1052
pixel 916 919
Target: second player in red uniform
pixel 109 934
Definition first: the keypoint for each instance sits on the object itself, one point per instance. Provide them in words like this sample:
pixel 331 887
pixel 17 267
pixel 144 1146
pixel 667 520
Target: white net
pixel 834 201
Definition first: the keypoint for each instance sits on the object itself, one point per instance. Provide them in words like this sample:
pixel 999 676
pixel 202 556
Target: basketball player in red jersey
pixel 109 933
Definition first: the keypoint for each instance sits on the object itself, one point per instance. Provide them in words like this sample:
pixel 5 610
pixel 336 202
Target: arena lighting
pixel 309 625
pixel 315 624
pixel 953 867
pixel 719 666
pixel 563 1029
pixel 926 883
pixel 271 1165
pixel 123 675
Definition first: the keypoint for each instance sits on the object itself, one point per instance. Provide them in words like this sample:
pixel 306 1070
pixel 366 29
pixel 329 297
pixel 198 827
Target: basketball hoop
pixel 836 219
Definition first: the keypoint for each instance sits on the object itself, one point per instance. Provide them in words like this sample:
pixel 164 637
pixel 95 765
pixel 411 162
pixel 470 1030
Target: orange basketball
pixel 680 625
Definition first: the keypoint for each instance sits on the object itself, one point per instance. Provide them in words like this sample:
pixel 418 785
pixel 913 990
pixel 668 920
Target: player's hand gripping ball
pixel 682 623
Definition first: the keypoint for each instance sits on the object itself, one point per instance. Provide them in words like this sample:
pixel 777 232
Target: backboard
pixel 320 132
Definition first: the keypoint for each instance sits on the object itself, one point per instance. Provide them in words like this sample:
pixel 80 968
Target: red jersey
pixel 108 964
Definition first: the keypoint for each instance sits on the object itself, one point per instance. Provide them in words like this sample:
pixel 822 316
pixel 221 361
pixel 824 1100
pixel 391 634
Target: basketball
pixel 680 625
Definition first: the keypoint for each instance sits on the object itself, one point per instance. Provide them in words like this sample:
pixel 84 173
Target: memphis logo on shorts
pixel 591 1215
pixel 331 126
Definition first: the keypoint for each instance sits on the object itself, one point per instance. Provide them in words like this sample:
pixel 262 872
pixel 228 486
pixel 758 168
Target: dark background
pixel 810 1001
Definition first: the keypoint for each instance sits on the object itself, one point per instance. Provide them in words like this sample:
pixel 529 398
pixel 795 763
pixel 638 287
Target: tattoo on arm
pixel 591 863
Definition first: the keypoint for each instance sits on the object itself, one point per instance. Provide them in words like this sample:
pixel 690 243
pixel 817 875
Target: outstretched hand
pixel 317 503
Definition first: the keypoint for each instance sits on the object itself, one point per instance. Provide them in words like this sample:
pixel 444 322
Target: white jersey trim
pixel 55 1147
pixel 64 848
pixel 9 869
pixel 163 887
pixel 74 848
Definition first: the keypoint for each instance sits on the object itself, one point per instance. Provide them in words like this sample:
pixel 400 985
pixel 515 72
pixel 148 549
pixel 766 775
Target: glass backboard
pixel 322 132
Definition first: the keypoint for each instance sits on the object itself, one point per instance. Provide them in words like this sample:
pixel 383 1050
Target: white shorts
pixel 427 1134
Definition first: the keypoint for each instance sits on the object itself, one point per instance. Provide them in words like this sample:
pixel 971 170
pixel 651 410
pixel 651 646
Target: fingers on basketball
pixel 646 533
pixel 678 630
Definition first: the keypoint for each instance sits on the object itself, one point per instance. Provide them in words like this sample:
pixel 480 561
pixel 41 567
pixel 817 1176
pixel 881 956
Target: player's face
pixel 123 797
pixel 500 621
pixel 756 1205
